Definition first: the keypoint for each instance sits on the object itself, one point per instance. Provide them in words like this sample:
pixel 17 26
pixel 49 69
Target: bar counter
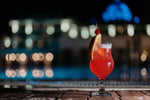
pixel 73 90
pixel 74 95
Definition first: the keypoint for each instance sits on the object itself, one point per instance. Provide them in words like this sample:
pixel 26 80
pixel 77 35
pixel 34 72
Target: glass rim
pixel 105 45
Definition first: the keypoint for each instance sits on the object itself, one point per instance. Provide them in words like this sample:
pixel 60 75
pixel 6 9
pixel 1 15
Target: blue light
pixel 117 11
pixel 59 82
pixel 136 19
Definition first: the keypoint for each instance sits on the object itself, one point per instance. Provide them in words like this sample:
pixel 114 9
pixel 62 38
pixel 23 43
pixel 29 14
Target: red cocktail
pixel 101 61
pixel 102 65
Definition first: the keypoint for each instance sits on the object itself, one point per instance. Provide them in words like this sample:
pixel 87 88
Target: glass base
pixel 101 94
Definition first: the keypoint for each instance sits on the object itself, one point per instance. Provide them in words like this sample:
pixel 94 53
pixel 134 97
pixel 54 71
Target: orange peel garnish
pixel 95 40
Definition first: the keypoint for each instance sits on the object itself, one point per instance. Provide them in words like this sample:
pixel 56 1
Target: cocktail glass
pixel 102 65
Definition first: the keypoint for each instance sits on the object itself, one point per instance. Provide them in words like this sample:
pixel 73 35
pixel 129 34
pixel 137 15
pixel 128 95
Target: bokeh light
pixel 111 30
pixel 65 25
pixel 49 73
pixel 50 30
pixel 130 30
pixel 49 56
pixel 28 27
pixel 144 56
pixel 143 72
pixel 35 57
pixel 23 57
pixel 73 32
pixel 92 30
pixel 14 26
pixel 7 42
pixel 84 33
pixel 22 73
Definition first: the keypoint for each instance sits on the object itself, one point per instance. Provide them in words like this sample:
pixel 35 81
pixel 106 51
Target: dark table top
pixel 73 90
pixel 74 95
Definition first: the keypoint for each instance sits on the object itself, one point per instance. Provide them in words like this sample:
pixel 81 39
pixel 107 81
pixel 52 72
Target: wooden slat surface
pixel 133 95
pixel 74 95
pixel 113 97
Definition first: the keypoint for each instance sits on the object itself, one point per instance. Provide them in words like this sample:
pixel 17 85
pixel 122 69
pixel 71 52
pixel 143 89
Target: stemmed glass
pixel 102 65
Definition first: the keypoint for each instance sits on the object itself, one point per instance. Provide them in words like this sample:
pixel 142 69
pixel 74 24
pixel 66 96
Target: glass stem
pixel 102 89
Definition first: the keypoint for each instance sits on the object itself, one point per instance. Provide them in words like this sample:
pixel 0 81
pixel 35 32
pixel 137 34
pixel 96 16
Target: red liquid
pixel 102 63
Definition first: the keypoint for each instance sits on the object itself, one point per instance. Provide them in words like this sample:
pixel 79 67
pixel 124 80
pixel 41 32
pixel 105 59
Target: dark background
pixel 80 10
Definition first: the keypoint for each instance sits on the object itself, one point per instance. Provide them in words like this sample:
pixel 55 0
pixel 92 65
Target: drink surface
pixel 102 63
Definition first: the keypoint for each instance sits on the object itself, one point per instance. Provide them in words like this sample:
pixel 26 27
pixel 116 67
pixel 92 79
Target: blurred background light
pixel 144 56
pixel 49 72
pixel 49 56
pixel 111 30
pixel 12 57
pixel 122 12
pixel 41 56
pixel 65 25
pixel 50 30
pixel 143 72
pixel 37 73
pixel 28 27
pixel 6 86
pixel 8 72
pixel 92 30
pixel 148 29
pixel 35 57
pixel 14 26
pixel 73 32
pixel 84 32
pixel 120 29
pixel 22 73
pixel 29 43
pixel 136 19
pixel 7 42
pixel 130 30
pixel 23 57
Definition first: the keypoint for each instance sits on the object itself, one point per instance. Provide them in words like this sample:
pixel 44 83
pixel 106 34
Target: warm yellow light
pixel 41 56
pixel 144 56
pixel 120 29
pixel 35 57
pixel 37 73
pixel 49 56
pixel 13 57
pixel 22 72
pixel 8 72
pixel 10 57
pixel 143 72
pixel 23 57
pixel 13 73
pixel 49 73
